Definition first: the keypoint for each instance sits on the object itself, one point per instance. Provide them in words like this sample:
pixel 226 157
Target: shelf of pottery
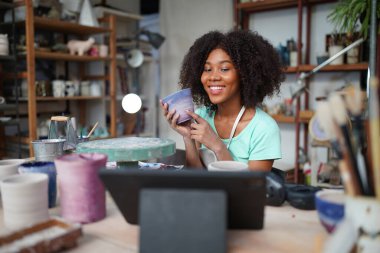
pixel 134 67
pixel 65 66
pixel 9 111
pixel 297 54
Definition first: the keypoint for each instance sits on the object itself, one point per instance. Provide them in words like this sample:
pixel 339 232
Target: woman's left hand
pixel 202 132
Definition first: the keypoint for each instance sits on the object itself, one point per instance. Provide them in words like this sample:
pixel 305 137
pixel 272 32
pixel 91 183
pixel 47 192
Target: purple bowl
pixel 181 101
pixel 330 207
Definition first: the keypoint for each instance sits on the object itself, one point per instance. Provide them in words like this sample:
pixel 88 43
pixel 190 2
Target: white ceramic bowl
pixel 9 167
pixel 227 166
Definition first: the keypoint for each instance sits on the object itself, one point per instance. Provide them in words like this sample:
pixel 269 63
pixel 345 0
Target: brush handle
pixel 362 182
pixel 350 187
pixel 361 151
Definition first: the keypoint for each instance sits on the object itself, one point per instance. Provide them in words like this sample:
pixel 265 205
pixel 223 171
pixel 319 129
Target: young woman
pixel 229 75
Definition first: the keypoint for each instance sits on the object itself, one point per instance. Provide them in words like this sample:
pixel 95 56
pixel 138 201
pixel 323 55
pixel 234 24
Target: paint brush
pixel 326 121
pixel 92 130
pixel 374 132
pixel 354 105
pixel 339 113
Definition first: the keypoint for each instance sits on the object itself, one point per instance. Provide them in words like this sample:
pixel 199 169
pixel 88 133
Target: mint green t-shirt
pixel 259 140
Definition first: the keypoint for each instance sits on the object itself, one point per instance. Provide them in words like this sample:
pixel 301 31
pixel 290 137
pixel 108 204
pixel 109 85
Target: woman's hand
pixel 172 117
pixel 202 132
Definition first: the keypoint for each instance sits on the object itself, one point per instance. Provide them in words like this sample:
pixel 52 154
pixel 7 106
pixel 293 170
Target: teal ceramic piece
pixel 129 149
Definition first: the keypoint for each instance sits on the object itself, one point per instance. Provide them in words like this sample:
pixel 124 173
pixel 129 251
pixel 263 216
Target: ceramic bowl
pixel 227 166
pixel 330 208
pixel 9 167
pixel 181 101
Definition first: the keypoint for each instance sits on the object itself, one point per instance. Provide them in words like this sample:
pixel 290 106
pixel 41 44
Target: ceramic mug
pixel 47 168
pixel 103 50
pixel 293 58
pixel 59 88
pixel 9 167
pixel 4 44
pixel 86 203
pixel 181 101
pixel 227 166
pixel 25 199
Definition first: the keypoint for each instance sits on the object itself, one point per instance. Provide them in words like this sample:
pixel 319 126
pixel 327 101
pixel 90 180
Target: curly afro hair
pixel 256 61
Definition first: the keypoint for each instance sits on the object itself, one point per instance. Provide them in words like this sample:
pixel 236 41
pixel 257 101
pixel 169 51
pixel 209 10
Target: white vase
pixel 87 16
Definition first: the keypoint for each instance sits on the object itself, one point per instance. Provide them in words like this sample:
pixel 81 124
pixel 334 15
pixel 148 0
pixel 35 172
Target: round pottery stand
pixel 127 151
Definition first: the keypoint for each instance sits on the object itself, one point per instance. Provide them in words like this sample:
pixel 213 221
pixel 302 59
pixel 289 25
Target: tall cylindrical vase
pixel 82 194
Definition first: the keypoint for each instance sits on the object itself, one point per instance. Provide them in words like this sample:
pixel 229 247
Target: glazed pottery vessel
pixel 25 199
pixel 47 168
pixel 181 101
pixel 82 194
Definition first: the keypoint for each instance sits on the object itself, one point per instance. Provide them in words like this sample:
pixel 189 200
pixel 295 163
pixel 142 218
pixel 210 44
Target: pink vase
pixel 82 194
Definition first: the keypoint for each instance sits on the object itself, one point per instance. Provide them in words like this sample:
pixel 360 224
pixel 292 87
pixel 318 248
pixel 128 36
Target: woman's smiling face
pixel 220 78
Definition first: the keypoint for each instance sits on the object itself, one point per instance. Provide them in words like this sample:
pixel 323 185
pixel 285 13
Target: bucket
pixel 47 150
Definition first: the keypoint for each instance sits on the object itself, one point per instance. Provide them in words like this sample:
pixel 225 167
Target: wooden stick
pixel 374 130
pixel 325 118
pixel 92 130
pixel 59 118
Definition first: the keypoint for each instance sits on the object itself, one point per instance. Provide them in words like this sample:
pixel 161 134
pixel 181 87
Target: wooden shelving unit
pixel 242 12
pixel 33 24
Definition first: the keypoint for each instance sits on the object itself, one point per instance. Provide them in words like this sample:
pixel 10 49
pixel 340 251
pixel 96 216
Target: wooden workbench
pixel 285 230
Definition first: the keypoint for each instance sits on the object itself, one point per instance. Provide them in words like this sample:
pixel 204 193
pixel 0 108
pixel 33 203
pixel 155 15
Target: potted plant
pixel 348 13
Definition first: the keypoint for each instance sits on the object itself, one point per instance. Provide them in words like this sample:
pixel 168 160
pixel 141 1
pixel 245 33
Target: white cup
pixel 293 58
pixel 85 88
pixel 103 50
pixel 9 167
pixel 25 199
pixel 95 89
pixel 227 166
pixel 59 88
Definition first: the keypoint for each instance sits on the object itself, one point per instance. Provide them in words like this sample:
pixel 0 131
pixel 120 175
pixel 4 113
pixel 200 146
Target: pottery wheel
pixel 129 149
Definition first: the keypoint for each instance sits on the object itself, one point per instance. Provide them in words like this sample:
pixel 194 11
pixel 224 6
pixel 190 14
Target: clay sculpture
pixel 80 46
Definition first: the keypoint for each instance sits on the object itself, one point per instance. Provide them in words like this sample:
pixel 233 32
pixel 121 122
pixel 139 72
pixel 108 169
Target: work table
pixel 286 229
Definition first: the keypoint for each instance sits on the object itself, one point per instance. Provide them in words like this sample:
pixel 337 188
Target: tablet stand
pixel 181 220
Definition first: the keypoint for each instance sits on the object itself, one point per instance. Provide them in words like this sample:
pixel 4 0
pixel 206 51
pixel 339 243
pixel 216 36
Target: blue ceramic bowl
pixel 330 207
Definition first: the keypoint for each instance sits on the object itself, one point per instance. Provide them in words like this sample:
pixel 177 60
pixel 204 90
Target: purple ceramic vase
pixel 82 194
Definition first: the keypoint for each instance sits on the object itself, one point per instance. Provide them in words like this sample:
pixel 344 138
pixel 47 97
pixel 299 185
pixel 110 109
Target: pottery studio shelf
pixel 329 68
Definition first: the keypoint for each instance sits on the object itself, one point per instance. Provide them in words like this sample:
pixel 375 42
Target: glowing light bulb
pixel 131 103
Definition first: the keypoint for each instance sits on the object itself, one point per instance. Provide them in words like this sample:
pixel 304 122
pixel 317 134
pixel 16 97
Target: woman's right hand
pixel 172 117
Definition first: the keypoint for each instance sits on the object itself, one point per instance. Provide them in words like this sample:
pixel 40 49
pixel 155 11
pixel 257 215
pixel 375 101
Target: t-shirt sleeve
pixel 266 144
